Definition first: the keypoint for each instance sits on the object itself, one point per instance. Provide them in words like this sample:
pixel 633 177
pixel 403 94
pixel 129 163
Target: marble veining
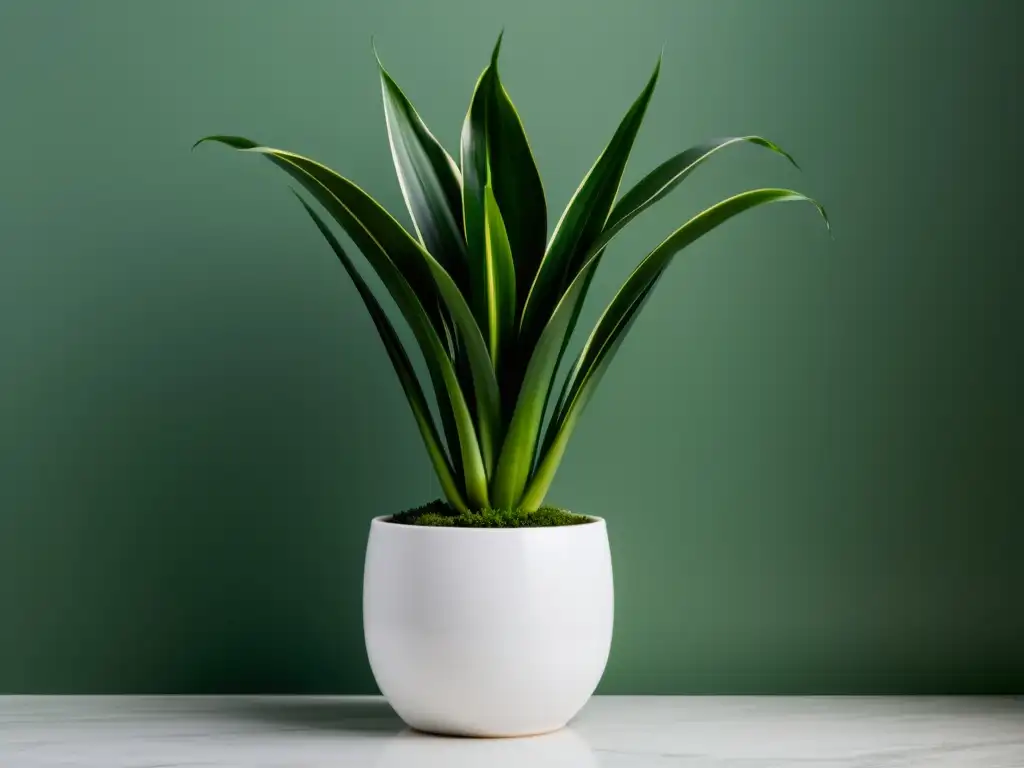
pixel 612 732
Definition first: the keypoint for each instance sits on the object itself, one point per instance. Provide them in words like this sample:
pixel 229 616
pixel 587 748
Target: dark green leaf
pixel 617 318
pixel 429 179
pixel 403 367
pixel 409 273
pixel 583 220
pixel 517 453
pixel 451 430
pixel 549 314
pixel 517 185
pixel 501 280
pixel 655 186
pixel 667 176
pixel 495 150
pixel 475 172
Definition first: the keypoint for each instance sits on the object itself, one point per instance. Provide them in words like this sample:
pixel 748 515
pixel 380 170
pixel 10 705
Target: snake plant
pixel 490 298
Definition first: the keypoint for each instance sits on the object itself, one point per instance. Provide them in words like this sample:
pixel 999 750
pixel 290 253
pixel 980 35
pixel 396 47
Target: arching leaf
pixel 617 318
pixel 429 178
pixel 583 220
pixel 414 279
pixel 403 368
pixel 667 176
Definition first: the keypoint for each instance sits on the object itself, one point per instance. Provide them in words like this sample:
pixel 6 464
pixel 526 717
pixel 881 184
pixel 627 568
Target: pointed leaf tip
pixel 235 142
pixel 779 150
pixel 204 140
pixel 373 47
pixel 497 48
pixel 828 223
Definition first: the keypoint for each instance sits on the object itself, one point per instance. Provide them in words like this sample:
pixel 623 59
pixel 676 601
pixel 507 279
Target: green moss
pixel 440 513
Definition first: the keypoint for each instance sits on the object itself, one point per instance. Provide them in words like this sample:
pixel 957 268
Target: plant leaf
pixel 550 315
pixel 495 150
pixel 501 279
pixel 667 176
pixel 475 172
pixel 517 453
pixel 517 184
pixel 414 279
pixel 430 180
pixel 655 186
pixel 451 430
pixel 403 368
pixel 617 318
pixel 583 219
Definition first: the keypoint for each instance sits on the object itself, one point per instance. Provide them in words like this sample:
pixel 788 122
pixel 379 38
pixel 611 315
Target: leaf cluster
pixel 491 299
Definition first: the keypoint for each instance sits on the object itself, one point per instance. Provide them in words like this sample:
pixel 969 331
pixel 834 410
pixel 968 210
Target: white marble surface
pixel 622 732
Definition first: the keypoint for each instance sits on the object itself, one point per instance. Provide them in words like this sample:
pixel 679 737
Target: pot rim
pixel 384 521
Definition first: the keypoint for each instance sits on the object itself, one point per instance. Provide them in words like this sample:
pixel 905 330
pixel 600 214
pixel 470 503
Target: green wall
pixel 809 452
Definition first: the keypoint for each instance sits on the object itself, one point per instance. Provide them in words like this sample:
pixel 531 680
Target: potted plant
pixel 487 613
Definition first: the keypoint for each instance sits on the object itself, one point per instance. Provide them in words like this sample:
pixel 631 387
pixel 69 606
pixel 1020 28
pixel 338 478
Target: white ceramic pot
pixel 487 632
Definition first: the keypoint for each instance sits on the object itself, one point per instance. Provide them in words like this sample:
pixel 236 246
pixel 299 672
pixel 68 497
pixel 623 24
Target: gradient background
pixel 809 452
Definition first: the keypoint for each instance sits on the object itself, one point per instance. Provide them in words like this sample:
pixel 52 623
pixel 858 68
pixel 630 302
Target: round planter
pixel 487 632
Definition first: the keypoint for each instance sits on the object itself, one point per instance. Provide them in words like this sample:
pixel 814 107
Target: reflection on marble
pixel 554 750
pixel 612 732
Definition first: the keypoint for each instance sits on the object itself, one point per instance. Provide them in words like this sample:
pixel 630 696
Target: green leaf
pixel 495 150
pixel 655 186
pixel 617 318
pixel 429 179
pixel 403 367
pixel 451 430
pixel 475 176
pixel 517 453
pixel 501 280
pixel 414 279
pixel 550 315
pixel 583 220
pixel 517 185
pixel 667 176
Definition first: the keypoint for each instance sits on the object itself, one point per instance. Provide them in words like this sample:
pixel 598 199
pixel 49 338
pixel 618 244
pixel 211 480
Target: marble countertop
pixel 612 731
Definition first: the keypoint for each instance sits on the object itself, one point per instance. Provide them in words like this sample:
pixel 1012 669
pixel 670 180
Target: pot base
pixel 462 734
